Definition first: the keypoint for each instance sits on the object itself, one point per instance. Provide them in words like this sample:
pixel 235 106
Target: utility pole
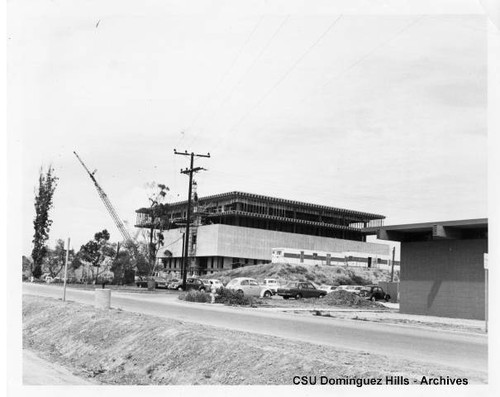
pixel 66 271
pixel 188 171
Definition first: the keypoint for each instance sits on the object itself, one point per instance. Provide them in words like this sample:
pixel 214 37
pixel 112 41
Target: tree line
pixel 99 259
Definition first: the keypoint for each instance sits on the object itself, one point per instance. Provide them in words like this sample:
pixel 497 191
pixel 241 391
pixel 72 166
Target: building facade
pixel 239 229
pixel 376 258
pixel 442 267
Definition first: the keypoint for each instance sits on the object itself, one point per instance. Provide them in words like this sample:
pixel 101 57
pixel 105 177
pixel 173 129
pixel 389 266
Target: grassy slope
pixel 319 274
pixel 116 347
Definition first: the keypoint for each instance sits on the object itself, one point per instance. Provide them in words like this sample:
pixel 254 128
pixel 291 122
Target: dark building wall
pixel 443 278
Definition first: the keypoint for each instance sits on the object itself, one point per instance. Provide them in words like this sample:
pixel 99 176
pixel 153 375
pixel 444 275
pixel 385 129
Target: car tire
pixel 267 294
pixel 139 285
pixel 202 289
pixel 373 299
pixel 322 296
pixel 179 288
pixel 298 296
pixel 286 297
pixel 240 292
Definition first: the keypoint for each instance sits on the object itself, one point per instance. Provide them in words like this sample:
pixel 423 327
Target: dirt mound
pixel 116 347
pixel 346 298
pixel 318 274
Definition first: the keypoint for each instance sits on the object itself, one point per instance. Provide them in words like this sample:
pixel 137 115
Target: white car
pixel 355 289
pixel 272 284
pixel 329 288
pixel 214 282
pixel 249 287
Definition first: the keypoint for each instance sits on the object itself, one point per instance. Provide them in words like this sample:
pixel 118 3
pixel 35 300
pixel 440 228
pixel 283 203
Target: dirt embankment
pixel 319 274
pixel 117 347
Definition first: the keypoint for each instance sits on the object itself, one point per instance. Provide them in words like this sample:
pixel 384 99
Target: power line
pixel 173 242
pixel 376 48
pixel 284 76
pixel 235 60
pixel 252 65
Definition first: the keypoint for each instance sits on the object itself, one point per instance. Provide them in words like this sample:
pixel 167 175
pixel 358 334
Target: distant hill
pixel 318 274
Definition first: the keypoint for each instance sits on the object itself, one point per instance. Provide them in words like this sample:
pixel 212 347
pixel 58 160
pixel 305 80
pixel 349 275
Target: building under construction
pixel 238 229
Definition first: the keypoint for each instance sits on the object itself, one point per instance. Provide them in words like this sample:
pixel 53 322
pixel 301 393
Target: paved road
pixel 37 371
pixel 453 349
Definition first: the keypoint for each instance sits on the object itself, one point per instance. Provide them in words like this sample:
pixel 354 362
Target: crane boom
pixel 118 222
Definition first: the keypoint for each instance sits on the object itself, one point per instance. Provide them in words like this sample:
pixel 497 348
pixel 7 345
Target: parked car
pixel 374 293
pixel 47 278
pixel 355 289
pixel 330 288
pixel 174 284
pixel 50 279
pixel 298 290
pixel 193 283
pixel 272 284
pixel 249 287
pixel 142 282
pixel 212 282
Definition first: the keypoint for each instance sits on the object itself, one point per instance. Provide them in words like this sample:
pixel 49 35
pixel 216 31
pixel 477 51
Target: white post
pixel 66 271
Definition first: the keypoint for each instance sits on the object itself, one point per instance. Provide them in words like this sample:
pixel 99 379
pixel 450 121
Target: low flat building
pixel 335 258
pixel 238 229
pixel 442 266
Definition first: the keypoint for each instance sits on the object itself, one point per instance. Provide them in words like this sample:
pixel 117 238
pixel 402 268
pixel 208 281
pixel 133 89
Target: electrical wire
pixel 172 243
pixel 373 50
pixel 221 80
pixel 281 79
pixel 252 65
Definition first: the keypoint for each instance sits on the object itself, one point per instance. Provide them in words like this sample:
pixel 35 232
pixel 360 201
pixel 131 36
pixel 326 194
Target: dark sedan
pixel 300 290
pixel 193 283
pixel 374 293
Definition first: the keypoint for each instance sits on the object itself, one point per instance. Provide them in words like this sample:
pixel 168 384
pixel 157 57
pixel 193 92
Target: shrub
pixel 195 296
pixel 358 280
pixel 230 297
pixel 343 280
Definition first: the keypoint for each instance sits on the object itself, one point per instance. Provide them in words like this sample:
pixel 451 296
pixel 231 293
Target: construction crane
pixel 118 222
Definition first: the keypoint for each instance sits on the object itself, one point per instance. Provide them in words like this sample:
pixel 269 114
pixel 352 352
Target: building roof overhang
pixel 457 229
pixel 236 194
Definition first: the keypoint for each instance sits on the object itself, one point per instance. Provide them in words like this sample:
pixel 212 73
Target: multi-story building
pixel 236 229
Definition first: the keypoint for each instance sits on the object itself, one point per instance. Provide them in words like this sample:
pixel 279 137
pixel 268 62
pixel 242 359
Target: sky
pixel 376 113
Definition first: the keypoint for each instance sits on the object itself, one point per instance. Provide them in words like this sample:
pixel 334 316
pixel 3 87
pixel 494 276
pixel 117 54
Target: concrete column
pixel 102 299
